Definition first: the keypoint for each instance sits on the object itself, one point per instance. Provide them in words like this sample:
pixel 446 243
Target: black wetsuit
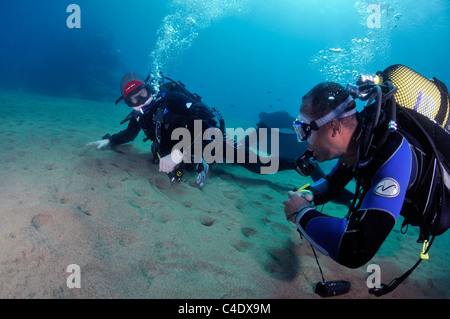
pixel 178 110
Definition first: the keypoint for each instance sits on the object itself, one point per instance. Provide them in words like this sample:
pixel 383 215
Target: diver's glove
pixel 100 144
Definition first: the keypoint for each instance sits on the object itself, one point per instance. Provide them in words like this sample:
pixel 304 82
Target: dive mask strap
pixel 336 113
pixel 303 129
pixel 119 99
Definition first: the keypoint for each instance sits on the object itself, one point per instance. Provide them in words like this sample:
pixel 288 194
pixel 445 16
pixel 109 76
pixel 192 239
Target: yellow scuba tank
pixel 416 92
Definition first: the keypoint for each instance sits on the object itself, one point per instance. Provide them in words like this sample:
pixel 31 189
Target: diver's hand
pixel 295 201
pixel 168 163
pixel 100 144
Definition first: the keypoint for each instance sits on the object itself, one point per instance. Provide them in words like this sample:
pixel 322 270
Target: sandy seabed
pixel 136 235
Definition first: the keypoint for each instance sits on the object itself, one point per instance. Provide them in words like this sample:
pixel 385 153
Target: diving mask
pixel 304 129
pixel 142 96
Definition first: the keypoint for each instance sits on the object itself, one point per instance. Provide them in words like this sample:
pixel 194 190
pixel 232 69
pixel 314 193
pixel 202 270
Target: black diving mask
pixel 304 129
pixel 139 96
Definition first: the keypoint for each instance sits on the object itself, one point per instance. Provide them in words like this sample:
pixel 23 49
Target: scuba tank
pixel 426 100
pixel 416 92
pixel 420 108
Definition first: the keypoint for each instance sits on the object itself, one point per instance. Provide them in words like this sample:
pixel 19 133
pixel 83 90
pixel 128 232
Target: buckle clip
pixel 423 254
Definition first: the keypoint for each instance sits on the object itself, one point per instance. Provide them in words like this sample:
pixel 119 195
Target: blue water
pixel 247 55
pixel 243 56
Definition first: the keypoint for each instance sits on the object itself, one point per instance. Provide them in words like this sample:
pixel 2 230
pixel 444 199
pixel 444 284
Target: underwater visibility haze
pixel 61 62
pixel 232 51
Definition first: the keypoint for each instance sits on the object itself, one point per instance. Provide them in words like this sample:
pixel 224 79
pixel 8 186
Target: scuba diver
pixel 398 157
pixel 159 108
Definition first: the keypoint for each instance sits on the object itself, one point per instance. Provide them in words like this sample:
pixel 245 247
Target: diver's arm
pixel 328 187
pixel 125 136
pixel 352 242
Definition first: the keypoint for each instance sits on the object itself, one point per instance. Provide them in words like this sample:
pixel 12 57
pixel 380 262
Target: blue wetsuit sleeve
pixel 327 188
pixel 353 241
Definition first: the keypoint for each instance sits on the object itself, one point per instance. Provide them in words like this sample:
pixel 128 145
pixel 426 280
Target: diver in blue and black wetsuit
pixel 394 182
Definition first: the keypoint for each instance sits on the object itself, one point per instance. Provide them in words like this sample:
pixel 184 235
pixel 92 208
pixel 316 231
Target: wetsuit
pixel 391 184
pixel 178 110
pixel 159 119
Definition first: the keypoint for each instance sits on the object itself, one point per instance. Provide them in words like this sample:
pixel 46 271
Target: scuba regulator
pixel 303 165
